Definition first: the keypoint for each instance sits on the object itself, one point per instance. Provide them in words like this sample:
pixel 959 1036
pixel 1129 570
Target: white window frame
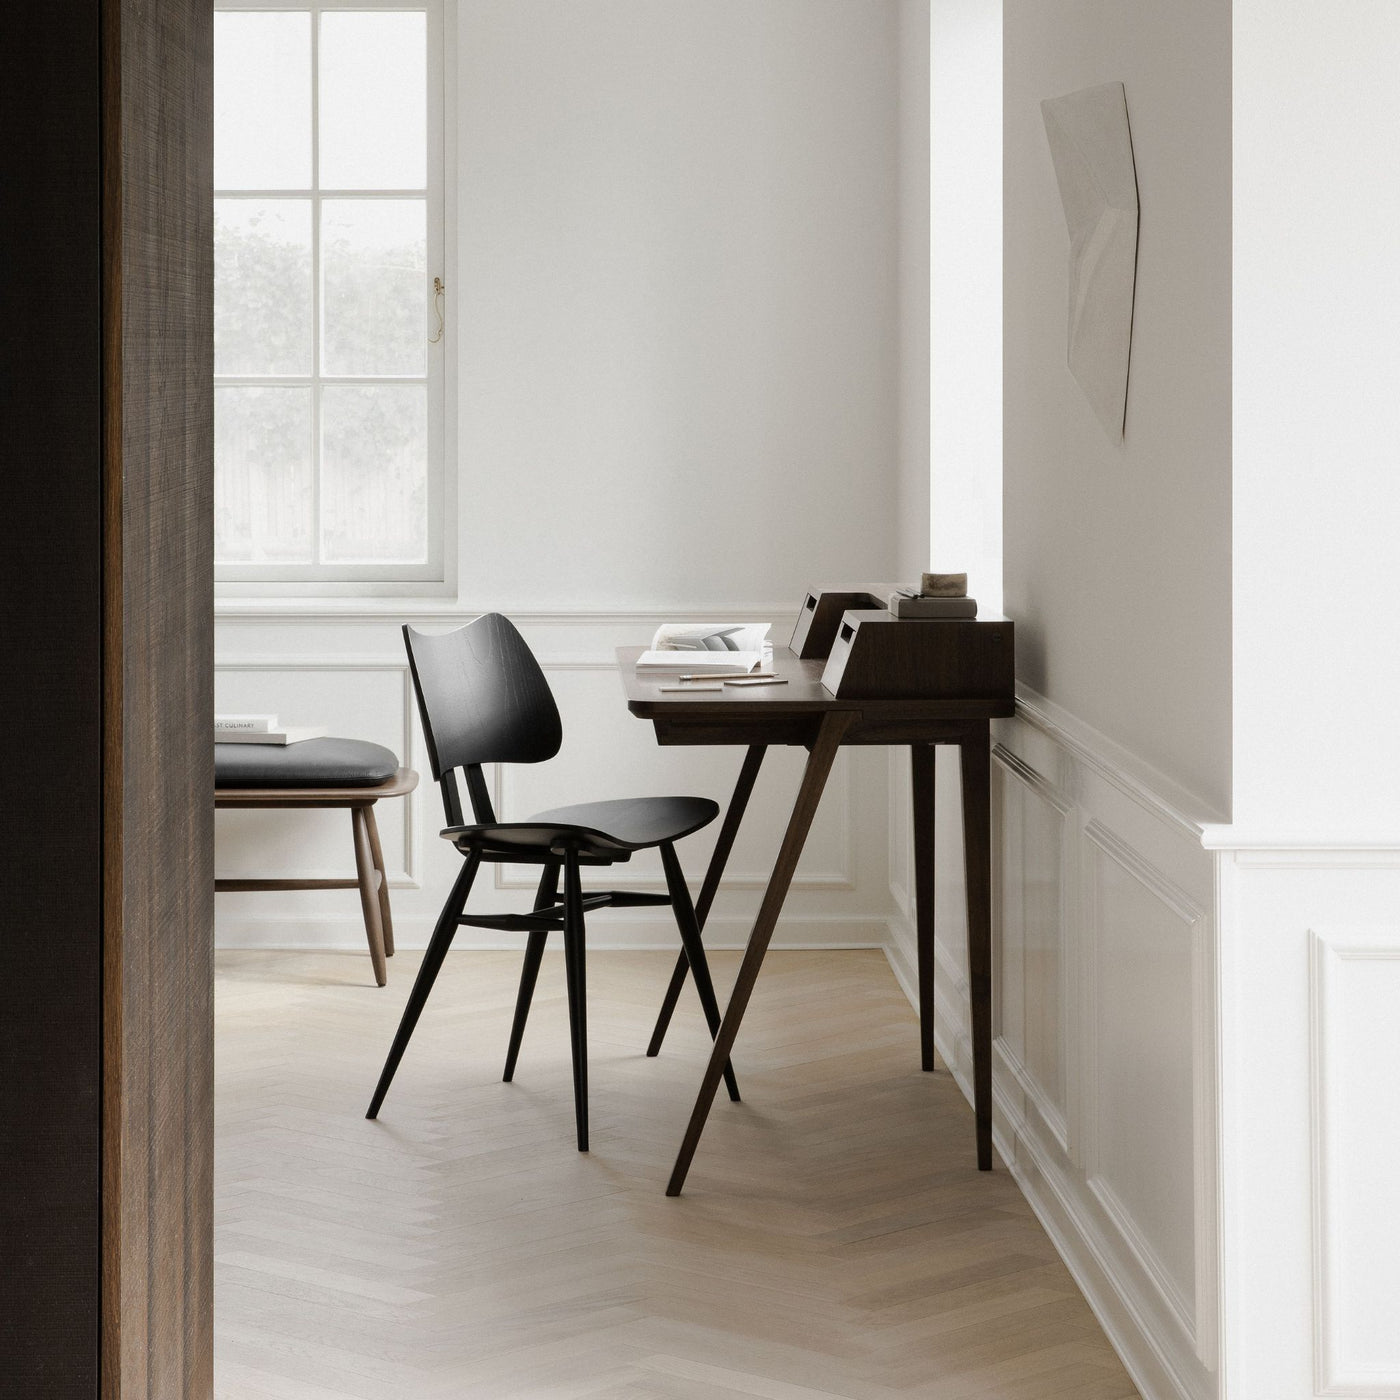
pixel 434 576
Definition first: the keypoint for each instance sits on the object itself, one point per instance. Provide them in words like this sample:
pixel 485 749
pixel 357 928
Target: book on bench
pixel 263 729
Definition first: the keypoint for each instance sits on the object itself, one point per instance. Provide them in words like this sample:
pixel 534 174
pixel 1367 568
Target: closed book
pixel 289 734
pixel 245 724
pixel 904 605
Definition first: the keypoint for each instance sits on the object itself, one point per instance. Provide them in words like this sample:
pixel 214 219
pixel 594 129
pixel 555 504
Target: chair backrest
pixel 482 699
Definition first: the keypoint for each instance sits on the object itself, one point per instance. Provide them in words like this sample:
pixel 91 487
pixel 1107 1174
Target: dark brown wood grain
pixel 921 772
pixel 50 699
pixel 157 269
pixel 977 864
pixel 804 711
pixel 878 656
pixel 804 809
pixel 820 616
pixel 105 608
pixel 802 697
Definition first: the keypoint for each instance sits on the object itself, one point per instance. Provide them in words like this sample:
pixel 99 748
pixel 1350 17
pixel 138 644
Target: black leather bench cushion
pixel 313 763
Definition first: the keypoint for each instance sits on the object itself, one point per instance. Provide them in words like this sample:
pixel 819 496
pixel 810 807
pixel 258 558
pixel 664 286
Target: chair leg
pixel 689 928
pixel 386 919
pixel 530 968
pixel 443 934
pixel 369 894
pixel 668 1004
pixel 578 992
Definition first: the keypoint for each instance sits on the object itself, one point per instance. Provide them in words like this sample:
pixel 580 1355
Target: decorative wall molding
pixel 414 611
pixel 1335 1373
pixel 1262 854
pixel 839 898
pixel 1083 810
pixel 1191 1314
pixel 1134 778
pixel 1057 1117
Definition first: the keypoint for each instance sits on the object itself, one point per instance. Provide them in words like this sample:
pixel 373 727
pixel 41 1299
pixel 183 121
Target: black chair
pixel 483 699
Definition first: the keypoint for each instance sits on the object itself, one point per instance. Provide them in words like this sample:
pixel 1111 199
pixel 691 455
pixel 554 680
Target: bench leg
pixel 369 895
pixel 386 920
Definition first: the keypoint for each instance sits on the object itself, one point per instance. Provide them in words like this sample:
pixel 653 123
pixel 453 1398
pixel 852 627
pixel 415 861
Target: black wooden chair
pixel 483 699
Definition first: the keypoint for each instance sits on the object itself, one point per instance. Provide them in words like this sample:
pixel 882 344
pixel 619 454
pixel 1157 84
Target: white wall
pixel 677 331
pixel 1118 554
pixel 965 289
pixel 912 541
pixel 1117 573
pixel 1317 417
pixel 1310 868
pixel 678 316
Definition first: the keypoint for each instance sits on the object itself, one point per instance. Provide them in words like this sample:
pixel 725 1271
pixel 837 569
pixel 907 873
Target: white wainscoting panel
pixel 349 672
pixel 1104 1019
pixel 1140 951
pixel 1029 937
pixel 1309 985
pixel 1355 1004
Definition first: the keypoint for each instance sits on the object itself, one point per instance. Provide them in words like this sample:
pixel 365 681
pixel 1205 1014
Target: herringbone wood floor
pixel 834 1238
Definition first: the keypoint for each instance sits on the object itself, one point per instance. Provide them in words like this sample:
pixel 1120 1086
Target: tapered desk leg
pixel 922 773
pixel 833 728
pixel 977 847
pixel 719 858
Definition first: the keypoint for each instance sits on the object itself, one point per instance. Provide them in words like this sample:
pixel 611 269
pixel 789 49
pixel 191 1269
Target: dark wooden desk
pixel 802 712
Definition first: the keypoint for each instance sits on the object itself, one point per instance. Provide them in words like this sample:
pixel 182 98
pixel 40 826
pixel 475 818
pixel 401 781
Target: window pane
pixel 262 475
pixel 374 473
pixel 262 101
pixel 262 286
pixel 373 88
pixel 374 286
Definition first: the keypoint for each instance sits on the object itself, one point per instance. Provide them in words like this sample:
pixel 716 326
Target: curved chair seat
pixel 615 828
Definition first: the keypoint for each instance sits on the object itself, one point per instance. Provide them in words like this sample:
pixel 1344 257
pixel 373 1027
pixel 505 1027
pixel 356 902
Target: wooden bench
pixel 282 791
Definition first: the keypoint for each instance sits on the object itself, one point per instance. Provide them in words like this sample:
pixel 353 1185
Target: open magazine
pixel 707 648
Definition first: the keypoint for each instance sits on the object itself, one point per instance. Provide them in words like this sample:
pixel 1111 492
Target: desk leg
pixel 922 773
pixel 719 858
pixel 977 847
pixel 833 728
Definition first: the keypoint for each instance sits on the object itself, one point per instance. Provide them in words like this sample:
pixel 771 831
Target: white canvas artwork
pixel 1092 148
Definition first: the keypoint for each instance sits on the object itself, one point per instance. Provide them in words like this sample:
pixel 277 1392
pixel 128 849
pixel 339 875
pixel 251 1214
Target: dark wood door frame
pixel 106 611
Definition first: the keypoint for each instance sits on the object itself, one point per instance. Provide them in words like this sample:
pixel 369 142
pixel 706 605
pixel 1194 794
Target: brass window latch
pixel 439 300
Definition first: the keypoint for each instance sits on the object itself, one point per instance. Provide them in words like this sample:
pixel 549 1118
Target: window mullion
pixel 316 286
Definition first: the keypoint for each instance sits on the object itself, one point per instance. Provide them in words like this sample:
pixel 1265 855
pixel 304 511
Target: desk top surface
pixel 803 694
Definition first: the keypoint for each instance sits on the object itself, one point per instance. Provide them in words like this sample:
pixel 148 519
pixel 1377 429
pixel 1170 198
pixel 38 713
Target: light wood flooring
pixel 834 1238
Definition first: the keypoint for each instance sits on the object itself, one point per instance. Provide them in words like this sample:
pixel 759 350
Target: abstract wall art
pixel 1092 148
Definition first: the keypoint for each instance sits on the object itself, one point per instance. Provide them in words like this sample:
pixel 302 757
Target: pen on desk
pixel 758 680
pixel 710 676
pixel 719 676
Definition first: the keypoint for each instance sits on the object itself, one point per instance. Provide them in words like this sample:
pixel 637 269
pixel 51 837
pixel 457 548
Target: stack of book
pixel 262 729
pixel 939 595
